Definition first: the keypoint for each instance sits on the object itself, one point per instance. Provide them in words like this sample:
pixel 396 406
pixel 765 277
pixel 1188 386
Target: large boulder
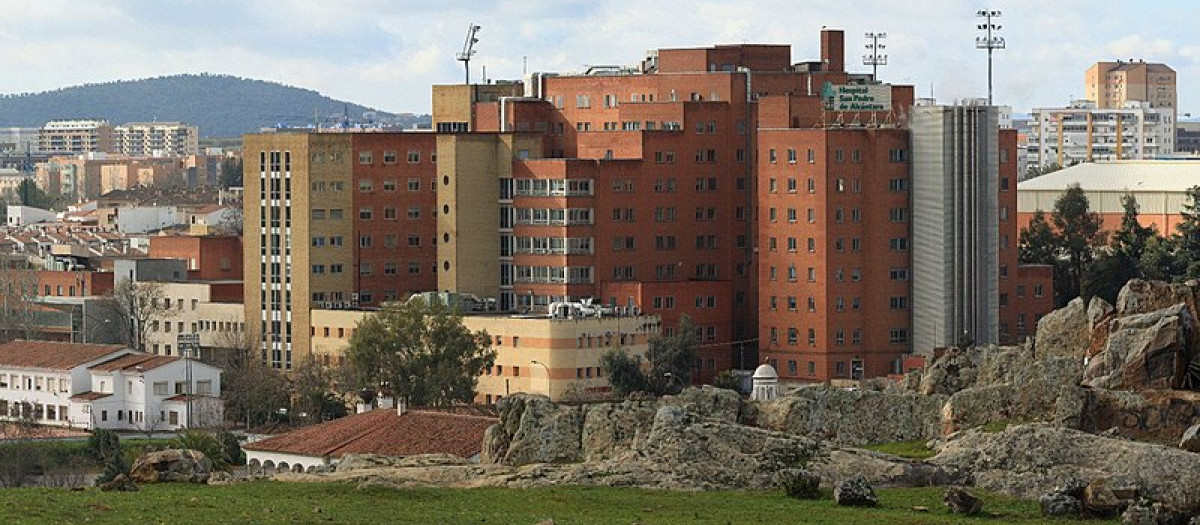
pixel 961 501
pixel 172 465
pixel 1145 351
pixel 853 417
pixel 1064 332
pixel 532 429
pixel 708 402
pixel 1028 461
pixel 855 492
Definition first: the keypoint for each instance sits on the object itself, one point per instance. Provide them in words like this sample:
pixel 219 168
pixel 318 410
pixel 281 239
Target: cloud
pixel 386 53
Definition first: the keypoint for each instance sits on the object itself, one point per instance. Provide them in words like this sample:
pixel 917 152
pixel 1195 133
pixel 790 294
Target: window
pixel 204 388
pixel 414 156
pixel 160 388
pixel 364 157
pixel 898 336
pixel 898 274
pixel 389 213
pixel 365 213
pixel 335 214
pixel 791 154
pixel 365 185
pixel 898 244
pixel 901 302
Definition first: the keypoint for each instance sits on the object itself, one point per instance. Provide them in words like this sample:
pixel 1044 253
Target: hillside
pixel 221 105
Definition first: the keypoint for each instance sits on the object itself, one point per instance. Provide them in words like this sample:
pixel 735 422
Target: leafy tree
pixel 31 195
pixel 423 351
pixel 114 466
pixel 1037 171
pixel 728 380
pixel 314 399
pixel 1188 235
pixel 671 360
pixel 231 172
pixel 1159 260
pixel 234 455
pixel 1131 239
pixel 1079 232
pixel 1037 243
pixel 624 372
pixel 673 357
pixel 1110 271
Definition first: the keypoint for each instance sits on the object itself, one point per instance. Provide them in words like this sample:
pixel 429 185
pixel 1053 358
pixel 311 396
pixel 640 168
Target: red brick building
pixel 209 257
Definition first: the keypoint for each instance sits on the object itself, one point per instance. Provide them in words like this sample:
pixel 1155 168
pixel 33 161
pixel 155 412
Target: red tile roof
pixel 51 355
pixel 384 432
pixel 88 396
pixel 134 361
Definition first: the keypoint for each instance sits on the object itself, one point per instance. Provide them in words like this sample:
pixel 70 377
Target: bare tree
pixel 136 304
pixel 251 390
pixel 18 299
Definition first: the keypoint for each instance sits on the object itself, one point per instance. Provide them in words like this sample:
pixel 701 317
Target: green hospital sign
pixel 857 97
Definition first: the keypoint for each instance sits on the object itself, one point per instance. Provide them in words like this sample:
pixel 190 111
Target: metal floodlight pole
pixel 875 56
pixel 988 41
pixel 468 50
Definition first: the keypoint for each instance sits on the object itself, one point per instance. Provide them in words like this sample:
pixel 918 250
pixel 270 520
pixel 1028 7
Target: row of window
pixel 203 325
pixel 895 336
pixel 389 185
pixel 34 383
pixel 34 411
pixel 367 157
pixel 792 304
pixel 366 213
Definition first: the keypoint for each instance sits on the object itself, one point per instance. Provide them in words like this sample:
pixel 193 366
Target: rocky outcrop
pixel 954 370
pixel 610 429
pixel 1145 351
pixel 853 417
pixel 884 470
pixel 1152 415
pixel 1031 460
pixel 532 429
pixel 1191 439
pixel 1140 296
pixel 1066 332
pixel 173 465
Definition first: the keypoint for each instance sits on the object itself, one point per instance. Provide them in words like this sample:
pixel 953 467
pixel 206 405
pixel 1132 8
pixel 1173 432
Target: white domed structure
pixel 766 383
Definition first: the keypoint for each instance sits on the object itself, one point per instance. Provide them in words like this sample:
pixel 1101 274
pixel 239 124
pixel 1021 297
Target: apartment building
pixel 1113 84
pixel 334 220
pixel 1085 132
pixel 156 139
pixel 75 136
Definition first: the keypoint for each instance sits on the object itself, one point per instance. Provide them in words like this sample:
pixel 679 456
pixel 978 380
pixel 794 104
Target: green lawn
pixel 273 502
pixel 905 449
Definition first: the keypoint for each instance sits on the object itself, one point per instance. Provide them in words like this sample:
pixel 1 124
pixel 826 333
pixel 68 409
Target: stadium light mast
pixel 988 40
pixel 469 50
pixel 875 56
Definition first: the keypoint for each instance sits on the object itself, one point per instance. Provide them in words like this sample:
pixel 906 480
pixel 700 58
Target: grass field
pixel 273 502
pixel 905 449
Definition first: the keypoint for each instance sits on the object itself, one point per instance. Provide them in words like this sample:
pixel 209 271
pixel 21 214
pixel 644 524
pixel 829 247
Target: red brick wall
pixel 211 257
pixel 382 282
pixel 73 284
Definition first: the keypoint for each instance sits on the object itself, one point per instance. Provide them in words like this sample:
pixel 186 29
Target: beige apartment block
pixel 1112 84
pixel 539 355
pixel 210 309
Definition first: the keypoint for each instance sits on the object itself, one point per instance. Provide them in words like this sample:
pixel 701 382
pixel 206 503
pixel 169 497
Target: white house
pixel 25 215
pixel 105 386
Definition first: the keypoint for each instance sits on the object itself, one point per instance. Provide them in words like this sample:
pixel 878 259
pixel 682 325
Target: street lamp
pixel 543 365
pixel 671 378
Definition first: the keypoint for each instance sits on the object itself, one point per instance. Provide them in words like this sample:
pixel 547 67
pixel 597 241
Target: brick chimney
pixel 833 50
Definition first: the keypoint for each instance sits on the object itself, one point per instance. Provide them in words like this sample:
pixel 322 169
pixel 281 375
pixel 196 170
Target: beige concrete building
pixel 156 139
pixel 211 309
pixel 1083 132
pixel 557 357
pixel 76 136
pixel 1112 84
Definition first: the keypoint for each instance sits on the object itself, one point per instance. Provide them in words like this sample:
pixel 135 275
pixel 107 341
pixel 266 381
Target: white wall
pixel 141 219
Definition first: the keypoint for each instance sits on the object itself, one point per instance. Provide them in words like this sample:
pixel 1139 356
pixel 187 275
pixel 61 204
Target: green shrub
pixel 234 455
pixel 103 444
pixel 206 443
pixel 728 380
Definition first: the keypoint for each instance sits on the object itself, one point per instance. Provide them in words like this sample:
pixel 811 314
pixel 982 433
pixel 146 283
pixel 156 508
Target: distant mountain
pixel 221 105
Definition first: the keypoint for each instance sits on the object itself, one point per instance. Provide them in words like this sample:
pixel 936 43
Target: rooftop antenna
pixel 875 56
pixel 988 41
pixel 469 49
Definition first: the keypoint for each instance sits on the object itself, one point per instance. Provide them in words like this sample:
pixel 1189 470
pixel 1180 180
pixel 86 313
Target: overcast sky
pixel 386 53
